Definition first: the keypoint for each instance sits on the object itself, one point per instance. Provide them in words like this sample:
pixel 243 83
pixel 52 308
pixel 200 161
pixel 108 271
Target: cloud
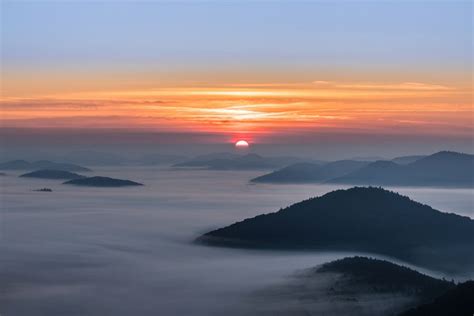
pixel 417 86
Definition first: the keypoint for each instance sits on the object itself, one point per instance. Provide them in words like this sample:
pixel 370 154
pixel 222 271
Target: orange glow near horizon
pixel 252 110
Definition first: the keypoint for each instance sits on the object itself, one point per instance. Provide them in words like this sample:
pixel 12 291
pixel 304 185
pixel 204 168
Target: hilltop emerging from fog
pixel 359 219
pixel 102 182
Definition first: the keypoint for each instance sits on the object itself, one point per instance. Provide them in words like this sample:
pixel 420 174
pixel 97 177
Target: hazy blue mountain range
pixel 41 164
pixel 159 159
pixel 311 172
pixel 404 160
pixel 229 161
pixel 95 158
pixel 440 169
pixel 52 174
pixel 448 169
pixel 359 219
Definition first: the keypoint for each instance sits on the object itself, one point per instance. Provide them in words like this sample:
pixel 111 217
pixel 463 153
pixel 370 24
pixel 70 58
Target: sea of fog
pixel 129 251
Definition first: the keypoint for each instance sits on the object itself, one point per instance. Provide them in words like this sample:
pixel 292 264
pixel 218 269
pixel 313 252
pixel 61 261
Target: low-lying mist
pixel 129 251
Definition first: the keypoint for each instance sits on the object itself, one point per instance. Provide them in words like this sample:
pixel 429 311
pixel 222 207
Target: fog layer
pixel 126 251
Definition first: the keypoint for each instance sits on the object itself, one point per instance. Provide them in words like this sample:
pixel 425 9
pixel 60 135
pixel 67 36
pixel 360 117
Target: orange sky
pixel 253 70
pixel 246 109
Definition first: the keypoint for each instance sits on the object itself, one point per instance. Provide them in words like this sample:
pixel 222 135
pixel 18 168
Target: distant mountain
pixel 458 301
pixel 212 156
pixel 228 161
pixel 40 164
pixel 95 158
pixel 15 165
pixel 404 160
pixel 311 172
pixel 440 169
pixel 359 219
pixel 52 174
pixel 367 158
pixel 102 182
pixel 160 159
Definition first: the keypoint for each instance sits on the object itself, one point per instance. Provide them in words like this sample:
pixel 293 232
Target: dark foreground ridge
pixel 359 219
pixel 52 174
pixel 458 301
pixel 383 276
pixel 382 281
pixel 102 182
pixel 356 286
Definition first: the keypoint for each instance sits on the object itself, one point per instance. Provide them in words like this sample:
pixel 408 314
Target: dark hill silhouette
pixel 440 169
pixel 228 161
pixel 360 219
pixel 52 174
pixel 356 286
pixel 41 164
pixel 458 301
pixel 384 276
pixel 359 277
pixel 102 182
pixel 310 172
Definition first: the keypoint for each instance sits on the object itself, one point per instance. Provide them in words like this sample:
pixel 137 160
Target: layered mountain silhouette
pixel 404 160
pixel 229 161
pixel 41 164
pixel 153 159
pixel 52 174
pixel 311 172
pixel 440 169
pixel 359 219
pixel 446 169
pixel 102 182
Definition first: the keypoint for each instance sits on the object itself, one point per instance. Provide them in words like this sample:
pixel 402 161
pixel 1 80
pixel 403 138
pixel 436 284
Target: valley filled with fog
pixel 130 251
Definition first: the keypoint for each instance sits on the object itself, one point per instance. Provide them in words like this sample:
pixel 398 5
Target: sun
pixel 242 144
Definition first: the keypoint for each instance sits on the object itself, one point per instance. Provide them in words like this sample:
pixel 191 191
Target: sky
pixel 269 72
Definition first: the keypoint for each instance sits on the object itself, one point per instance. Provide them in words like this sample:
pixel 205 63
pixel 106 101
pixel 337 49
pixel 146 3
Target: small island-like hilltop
pixel 102 182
